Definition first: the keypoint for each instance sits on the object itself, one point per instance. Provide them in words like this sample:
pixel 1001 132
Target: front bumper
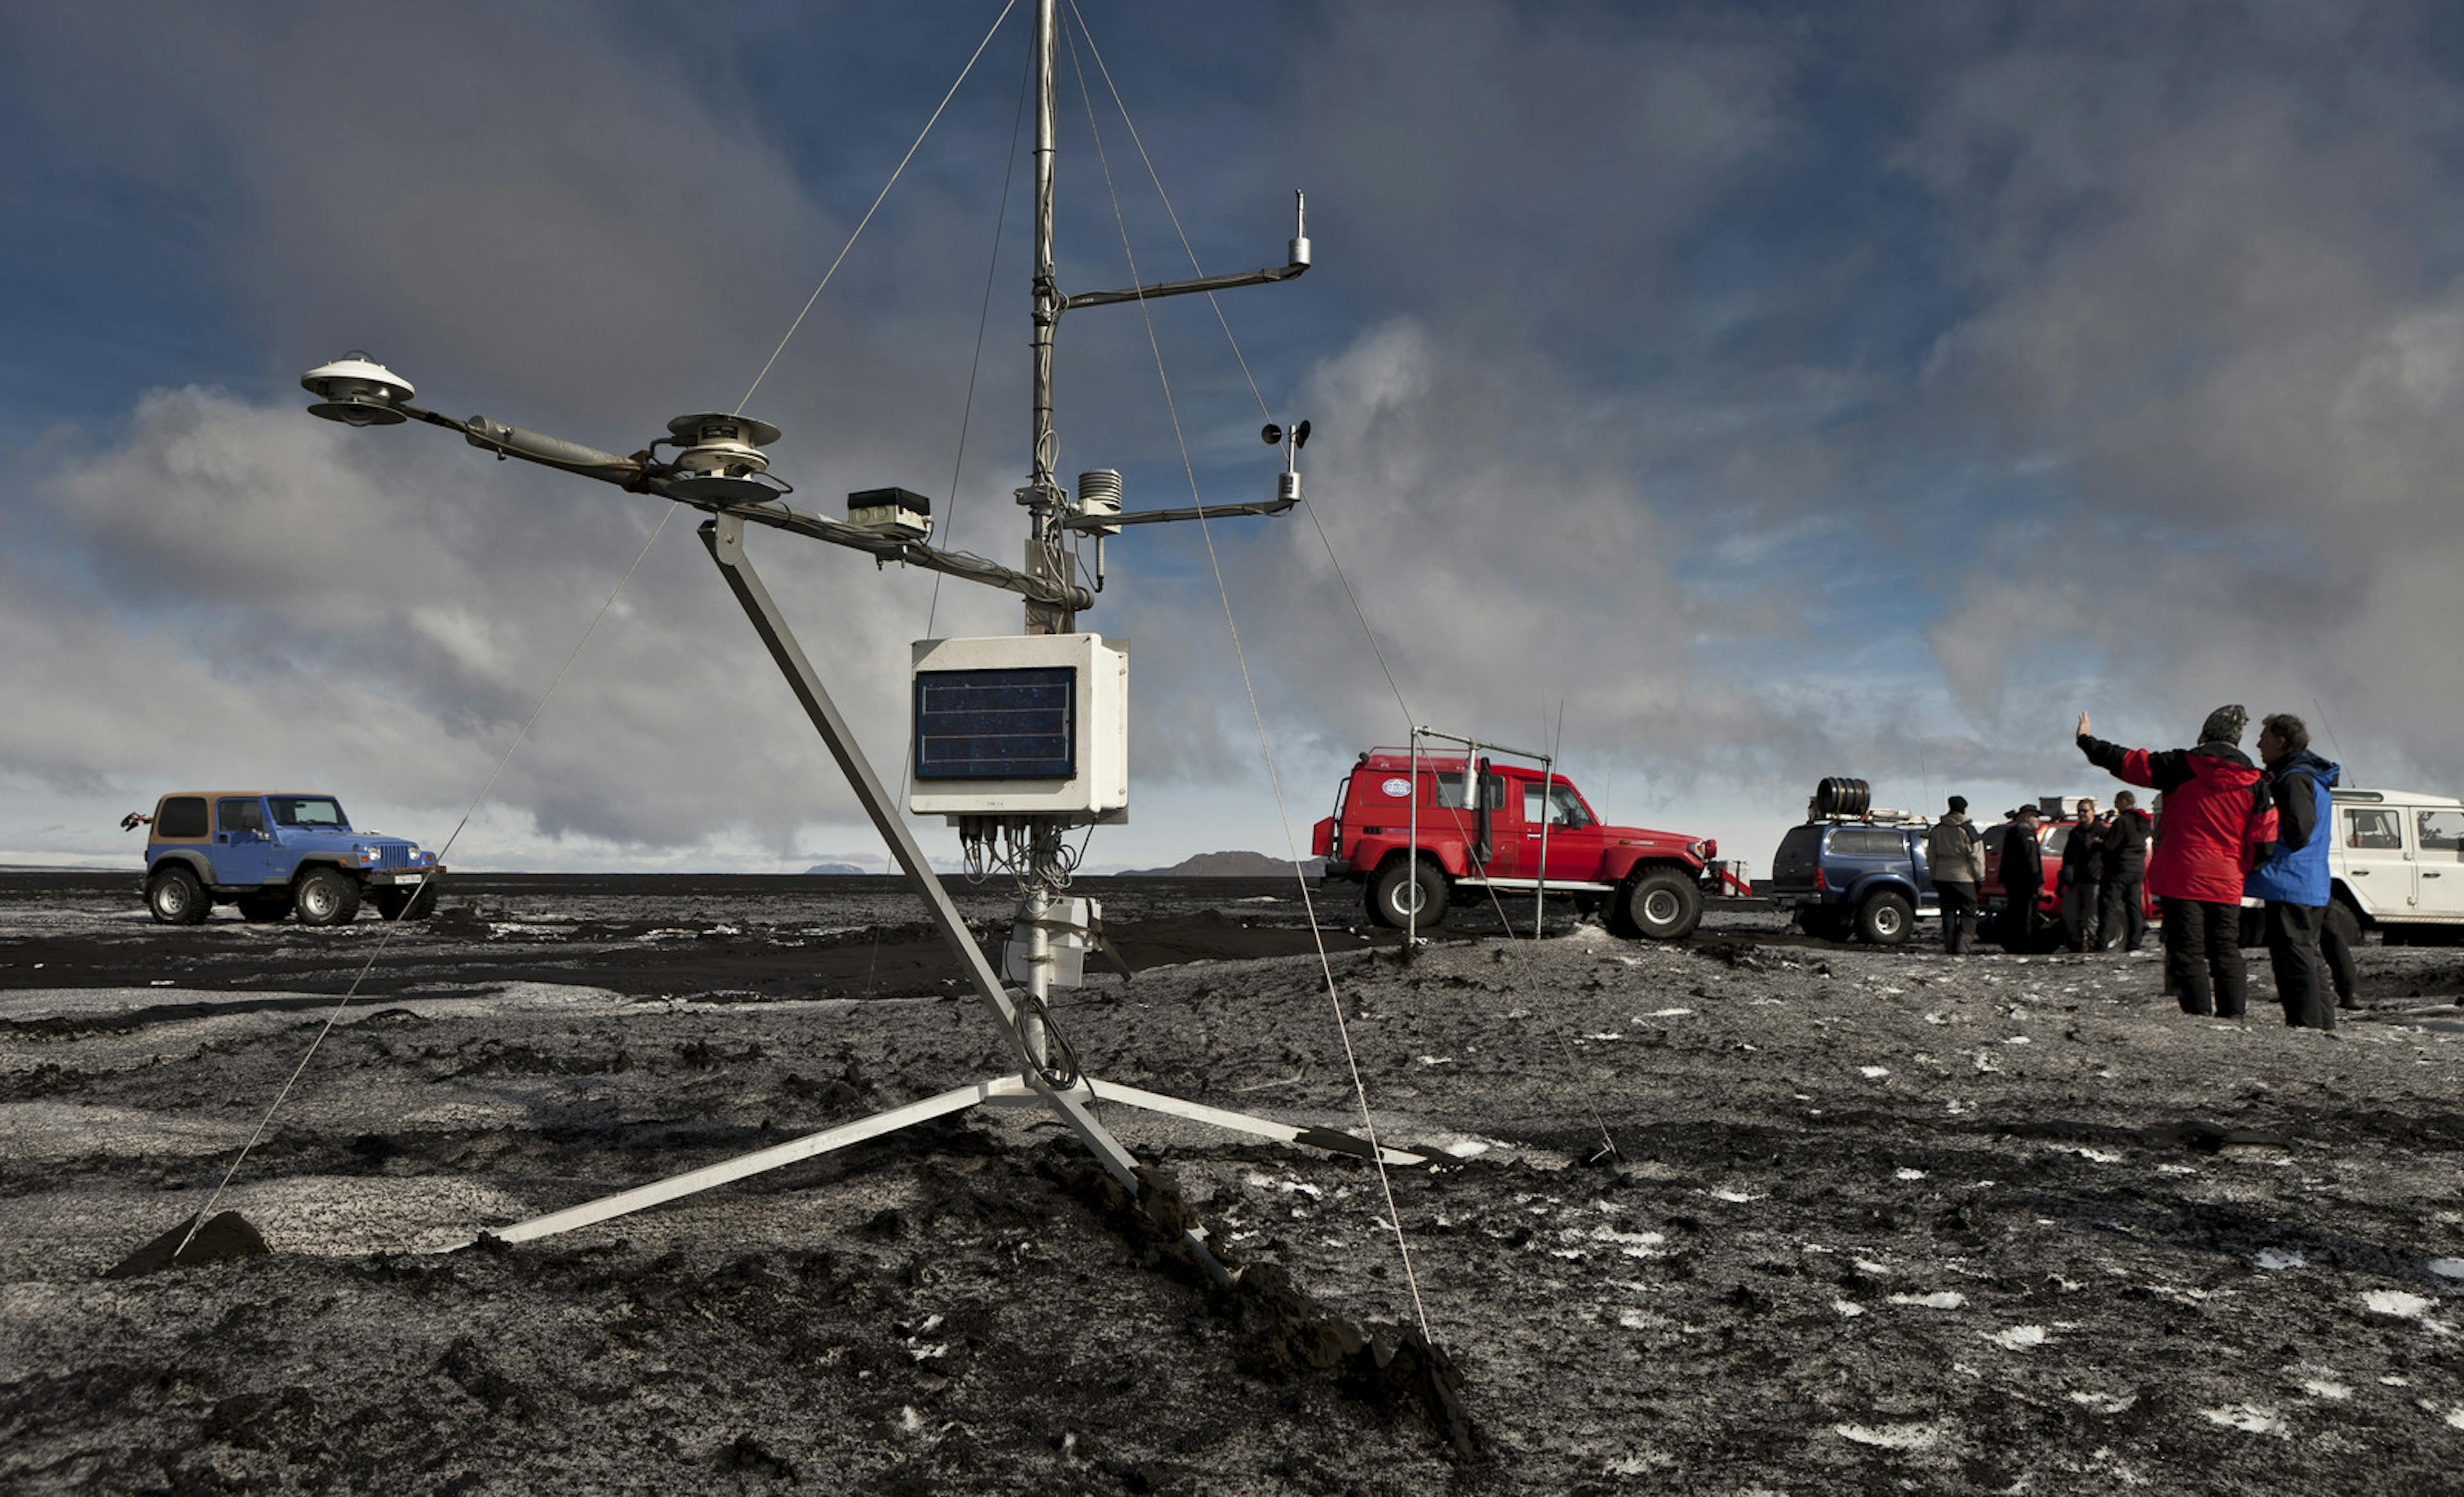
pixel 402 877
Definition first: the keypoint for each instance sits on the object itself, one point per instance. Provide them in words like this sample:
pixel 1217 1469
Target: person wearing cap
pixel 1955 855
pixel 2125 920
pixel 2216 813
pixel 2023 879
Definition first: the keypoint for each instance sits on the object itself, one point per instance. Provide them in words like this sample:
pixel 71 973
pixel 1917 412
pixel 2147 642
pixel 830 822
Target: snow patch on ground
pixel 2249 1417
pixel 2397 1303
pixel 2278 1258
pixel 1637 1244
pixel 2104 1402
pixel 1891 1437
pixel 2019 1338
pixel 2448 1267
pixel 1939 1299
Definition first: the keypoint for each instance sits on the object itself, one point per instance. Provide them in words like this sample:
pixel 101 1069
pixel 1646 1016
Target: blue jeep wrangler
pixel 275 855
pixel 1866 878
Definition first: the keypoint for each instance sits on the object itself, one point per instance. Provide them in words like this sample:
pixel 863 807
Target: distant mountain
pixel 1228 865
pixel 835 870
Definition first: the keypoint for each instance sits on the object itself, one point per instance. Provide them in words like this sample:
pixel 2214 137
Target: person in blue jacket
pixel 2291 874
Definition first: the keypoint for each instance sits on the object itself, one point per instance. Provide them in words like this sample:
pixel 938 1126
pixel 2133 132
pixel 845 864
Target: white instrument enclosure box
pixel 1021 725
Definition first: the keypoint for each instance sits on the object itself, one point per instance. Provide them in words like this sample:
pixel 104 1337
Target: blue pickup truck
pixel 276 854
pixel 1868 878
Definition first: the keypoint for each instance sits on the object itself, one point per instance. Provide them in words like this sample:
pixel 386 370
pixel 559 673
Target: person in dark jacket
pixel 2341 969
pixel 2125 920
pixel 2216 812
pixel 1955 856
pixel 2083 877
pixel 2292 873
pixel 2023 879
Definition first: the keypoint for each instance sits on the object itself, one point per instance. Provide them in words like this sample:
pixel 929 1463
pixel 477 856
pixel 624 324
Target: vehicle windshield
pixel 308 810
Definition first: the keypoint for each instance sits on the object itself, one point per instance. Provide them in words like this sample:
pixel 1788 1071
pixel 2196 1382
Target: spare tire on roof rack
pixel 1839 797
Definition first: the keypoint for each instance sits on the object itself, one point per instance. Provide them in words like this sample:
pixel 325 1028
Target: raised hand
pixel 2083 727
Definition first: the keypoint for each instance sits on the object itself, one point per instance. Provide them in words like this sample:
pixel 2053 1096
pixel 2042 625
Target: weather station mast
pixel 1017 741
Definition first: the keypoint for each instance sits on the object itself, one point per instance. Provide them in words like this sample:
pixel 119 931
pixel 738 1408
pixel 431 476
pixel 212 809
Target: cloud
pixel 2213 293
pixel 244 595
pixel 1859 394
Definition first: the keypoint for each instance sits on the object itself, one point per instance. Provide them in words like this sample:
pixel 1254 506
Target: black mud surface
pixel 1874 1221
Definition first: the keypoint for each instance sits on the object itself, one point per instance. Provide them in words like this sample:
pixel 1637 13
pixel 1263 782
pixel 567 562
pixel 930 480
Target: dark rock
pixel 228 1235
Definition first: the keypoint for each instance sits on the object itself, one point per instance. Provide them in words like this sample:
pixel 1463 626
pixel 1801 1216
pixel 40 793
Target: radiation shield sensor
pixel 720 459
pixel 1021 725
pixel 357 391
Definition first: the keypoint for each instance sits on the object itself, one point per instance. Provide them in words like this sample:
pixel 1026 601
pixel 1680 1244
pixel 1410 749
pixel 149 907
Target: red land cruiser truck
pixel 1651 884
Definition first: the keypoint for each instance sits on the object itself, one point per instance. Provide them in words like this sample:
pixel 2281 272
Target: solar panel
pixel 1012 724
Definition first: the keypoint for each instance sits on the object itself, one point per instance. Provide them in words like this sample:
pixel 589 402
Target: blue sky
pixel 1782 390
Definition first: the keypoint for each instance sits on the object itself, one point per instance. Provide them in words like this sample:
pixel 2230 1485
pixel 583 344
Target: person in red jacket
pixel 2215 813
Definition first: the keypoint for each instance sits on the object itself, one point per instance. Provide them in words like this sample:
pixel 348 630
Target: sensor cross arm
pixel 553 451
pixel 1101 523
pixel 1183 288
pixel 912 553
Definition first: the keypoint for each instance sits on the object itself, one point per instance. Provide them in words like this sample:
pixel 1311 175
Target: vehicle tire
pixel 1662 906
pixel 326 896
pixel 1885 919
pixel 400 903
pixel 264 909
pixel 175 896
pixel 1369 902
pixel 1403 883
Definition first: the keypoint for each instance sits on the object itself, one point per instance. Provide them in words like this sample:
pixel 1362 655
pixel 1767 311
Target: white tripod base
pixel 999 1092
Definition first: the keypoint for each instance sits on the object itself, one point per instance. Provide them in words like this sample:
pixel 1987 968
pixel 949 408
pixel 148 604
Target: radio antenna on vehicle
pixel 2321 708
pixel 1019 740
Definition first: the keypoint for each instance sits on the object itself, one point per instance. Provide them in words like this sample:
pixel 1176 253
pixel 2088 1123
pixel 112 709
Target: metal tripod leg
pixel 1331 1140
pixel 643 1197
pixel 724 537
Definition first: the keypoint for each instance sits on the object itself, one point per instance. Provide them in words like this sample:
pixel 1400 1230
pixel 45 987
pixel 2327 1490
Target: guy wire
pixel 1360 1090
pixel 1352 595
pixel 966 419
pixel 391 926
pixel 876 208
pixel 1239 358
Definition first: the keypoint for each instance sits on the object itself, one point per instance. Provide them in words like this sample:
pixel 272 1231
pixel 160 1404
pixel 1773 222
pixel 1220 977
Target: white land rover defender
pixel 2397 862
